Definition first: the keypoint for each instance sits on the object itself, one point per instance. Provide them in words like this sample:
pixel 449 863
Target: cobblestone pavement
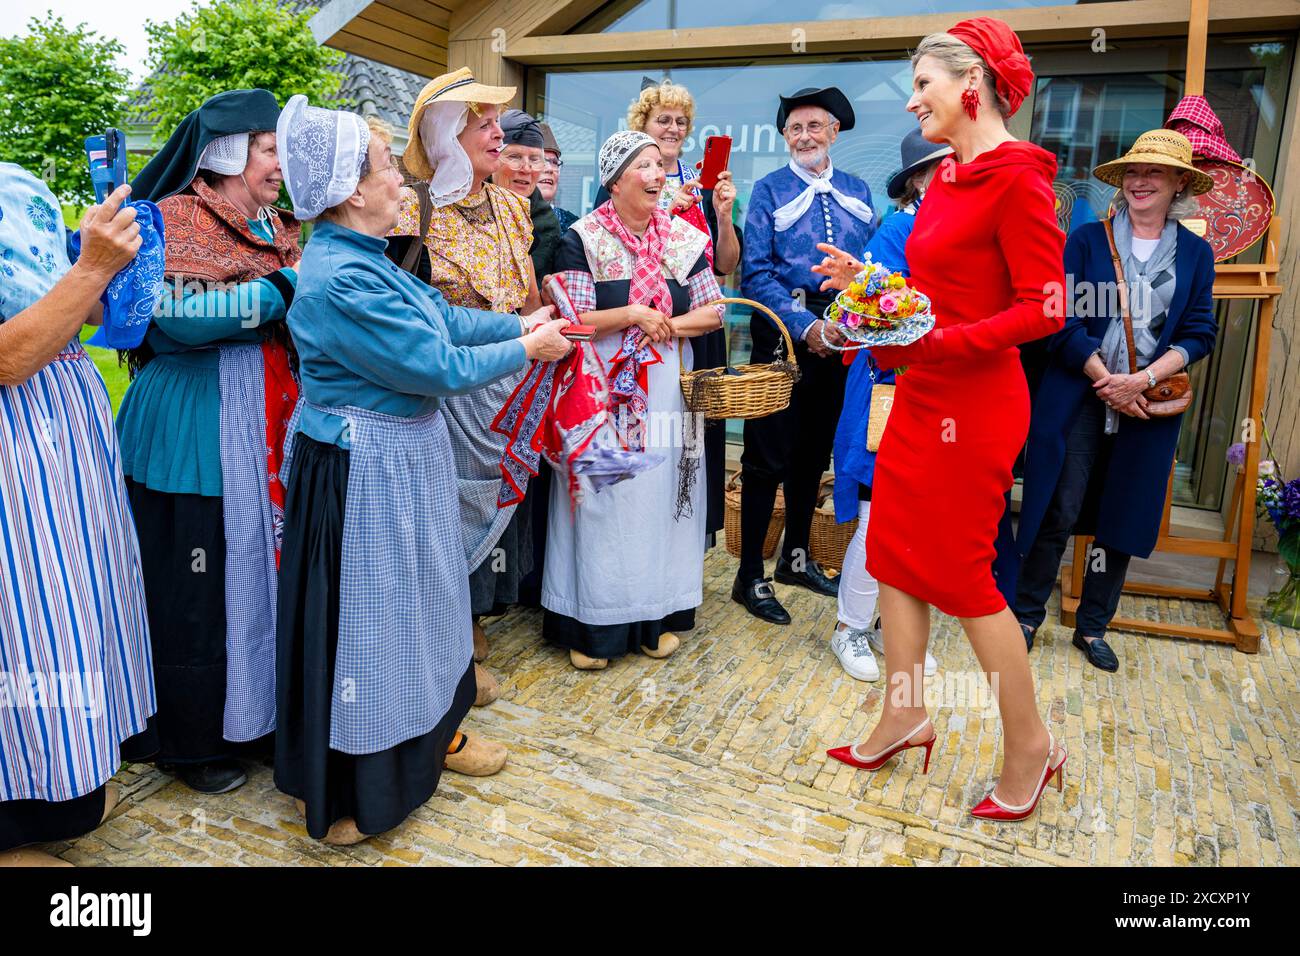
pixel 1187 755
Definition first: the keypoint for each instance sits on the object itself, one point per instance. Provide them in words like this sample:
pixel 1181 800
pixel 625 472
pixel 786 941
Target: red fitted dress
pixel 987 250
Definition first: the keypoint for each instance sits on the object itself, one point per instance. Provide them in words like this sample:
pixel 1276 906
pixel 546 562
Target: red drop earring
pixel 970 101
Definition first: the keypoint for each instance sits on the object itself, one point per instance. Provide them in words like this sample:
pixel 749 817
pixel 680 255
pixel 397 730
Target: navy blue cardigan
pixel 1126 499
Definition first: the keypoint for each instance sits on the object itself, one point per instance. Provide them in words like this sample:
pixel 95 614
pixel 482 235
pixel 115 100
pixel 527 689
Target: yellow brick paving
pixel 1187 755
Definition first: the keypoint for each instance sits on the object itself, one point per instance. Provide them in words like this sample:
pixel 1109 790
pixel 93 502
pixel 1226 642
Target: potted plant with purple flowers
pixel 1280 500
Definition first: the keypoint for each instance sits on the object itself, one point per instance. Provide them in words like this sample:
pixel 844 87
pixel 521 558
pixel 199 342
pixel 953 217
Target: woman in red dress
pixel 987 250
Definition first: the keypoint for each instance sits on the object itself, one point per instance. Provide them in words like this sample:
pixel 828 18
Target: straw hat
pixel 1161 147
pixel 457 87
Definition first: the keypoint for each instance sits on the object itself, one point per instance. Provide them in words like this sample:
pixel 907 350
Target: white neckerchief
pixel 793 211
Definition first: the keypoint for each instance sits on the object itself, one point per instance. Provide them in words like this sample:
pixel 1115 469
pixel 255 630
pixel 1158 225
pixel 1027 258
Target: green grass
pixel 106 361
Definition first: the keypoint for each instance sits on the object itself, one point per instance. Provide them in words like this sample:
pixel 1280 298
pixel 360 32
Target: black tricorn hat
pixel 830 99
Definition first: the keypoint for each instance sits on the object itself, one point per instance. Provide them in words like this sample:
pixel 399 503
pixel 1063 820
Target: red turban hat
pixel 998 44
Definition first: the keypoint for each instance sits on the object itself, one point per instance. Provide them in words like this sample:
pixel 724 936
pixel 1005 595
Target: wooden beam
pixel 1198 28
pixel 1281 410
pixel 519 18
pixel 333 17
pixel 382 53
pixel 1130 18
pixel 400 24
pixel 487 65
pixel 438 15
pixel 423 44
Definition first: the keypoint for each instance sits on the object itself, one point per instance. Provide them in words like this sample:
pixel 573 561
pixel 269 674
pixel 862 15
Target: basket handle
pixel 785 333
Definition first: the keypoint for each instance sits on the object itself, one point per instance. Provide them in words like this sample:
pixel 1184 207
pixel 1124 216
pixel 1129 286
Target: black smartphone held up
pixel 106 156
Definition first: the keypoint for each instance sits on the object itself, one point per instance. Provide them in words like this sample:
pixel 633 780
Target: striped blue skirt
pixel 75 673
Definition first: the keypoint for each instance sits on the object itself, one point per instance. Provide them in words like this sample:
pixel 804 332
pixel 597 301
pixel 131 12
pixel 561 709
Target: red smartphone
pixel 579 333
pixel 717 153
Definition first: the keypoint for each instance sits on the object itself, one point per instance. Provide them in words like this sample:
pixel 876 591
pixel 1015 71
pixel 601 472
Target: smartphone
pixel 717 153
pixel 106 156
pixel 579 333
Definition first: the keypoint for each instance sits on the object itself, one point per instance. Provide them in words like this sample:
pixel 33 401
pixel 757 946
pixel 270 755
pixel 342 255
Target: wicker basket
pixel 757 391
pixel 731 520
pixel 828 541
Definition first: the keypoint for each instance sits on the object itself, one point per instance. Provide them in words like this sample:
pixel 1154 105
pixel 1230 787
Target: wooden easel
pixel 1247 281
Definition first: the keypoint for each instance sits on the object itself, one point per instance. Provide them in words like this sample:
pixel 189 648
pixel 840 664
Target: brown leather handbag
pixel 1170 396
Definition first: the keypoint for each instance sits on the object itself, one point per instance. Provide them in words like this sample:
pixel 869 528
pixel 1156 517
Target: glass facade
pixel 1086 107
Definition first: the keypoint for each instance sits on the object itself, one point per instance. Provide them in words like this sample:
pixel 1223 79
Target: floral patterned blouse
pixel 478 247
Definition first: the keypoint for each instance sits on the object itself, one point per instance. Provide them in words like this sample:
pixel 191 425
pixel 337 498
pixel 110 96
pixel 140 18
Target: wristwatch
pixel 1151 379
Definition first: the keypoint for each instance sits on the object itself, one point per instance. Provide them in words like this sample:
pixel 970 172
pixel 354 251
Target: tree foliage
pixel 58 85
pixel 232 45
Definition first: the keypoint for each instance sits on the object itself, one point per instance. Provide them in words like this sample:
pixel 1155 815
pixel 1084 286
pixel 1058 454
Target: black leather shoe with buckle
pixel 811 577
pixel 760 600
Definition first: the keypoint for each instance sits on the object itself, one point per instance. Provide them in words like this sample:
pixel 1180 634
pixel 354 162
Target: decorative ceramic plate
pixel 1237 210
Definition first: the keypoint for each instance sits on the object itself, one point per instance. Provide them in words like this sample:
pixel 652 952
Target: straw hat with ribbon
pixel 456 87
pixel 1161 147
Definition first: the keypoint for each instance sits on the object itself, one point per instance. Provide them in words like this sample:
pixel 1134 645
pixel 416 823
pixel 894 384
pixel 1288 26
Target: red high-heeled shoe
pixel 874 762
pixel 991 808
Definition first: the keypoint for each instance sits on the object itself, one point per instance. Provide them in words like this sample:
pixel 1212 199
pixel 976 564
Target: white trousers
pixel 859 591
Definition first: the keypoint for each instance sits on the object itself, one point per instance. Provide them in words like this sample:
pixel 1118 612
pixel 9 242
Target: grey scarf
pixel 1150 291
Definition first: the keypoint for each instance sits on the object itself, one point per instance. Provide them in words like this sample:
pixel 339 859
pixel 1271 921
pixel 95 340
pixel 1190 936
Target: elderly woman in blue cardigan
pixel 1096 462
pixel 858 631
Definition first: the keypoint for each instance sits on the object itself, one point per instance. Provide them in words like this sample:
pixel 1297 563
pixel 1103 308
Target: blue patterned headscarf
pixel 33 252
pixel 132 294
pixel 34 256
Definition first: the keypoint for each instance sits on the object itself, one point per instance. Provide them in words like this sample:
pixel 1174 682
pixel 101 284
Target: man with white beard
pixel 791 210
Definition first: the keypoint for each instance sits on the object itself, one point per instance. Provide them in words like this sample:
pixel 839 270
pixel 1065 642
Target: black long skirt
pixel 377 790
pixel 183 559
pixel 46 821
pixel 495 584
pixel 539 491
pixel 612 640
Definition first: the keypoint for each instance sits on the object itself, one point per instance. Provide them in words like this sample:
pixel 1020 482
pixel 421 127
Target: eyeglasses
pixel 523 162
pixel 813 129
pixel 367 169
pixel 554 163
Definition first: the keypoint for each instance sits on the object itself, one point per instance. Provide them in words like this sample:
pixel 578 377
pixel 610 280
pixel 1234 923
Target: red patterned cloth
pixel 561 410
pixel 280 395
pixel 1201 125
pixel 628 373
pixel 695 216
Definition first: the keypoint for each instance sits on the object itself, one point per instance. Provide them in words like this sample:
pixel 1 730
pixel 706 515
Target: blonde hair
pixel 957 57
pixel 379 130
pixel 667 95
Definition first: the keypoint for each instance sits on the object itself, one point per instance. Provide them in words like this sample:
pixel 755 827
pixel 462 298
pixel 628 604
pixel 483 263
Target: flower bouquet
pixel 1280 500
pixel 880 308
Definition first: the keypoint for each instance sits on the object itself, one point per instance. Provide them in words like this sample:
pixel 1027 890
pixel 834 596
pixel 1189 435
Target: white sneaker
pixel 850 646
pixel 876 639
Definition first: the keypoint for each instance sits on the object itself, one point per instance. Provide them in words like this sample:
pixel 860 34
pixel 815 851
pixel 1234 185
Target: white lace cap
pixel 226 155
pixel 440 129
pixel 321 152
